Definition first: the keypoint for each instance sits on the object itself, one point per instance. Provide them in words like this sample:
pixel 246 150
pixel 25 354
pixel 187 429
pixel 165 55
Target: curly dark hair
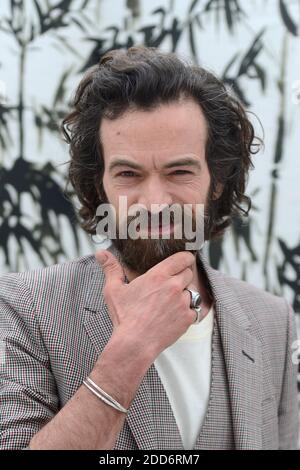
pixel 143 78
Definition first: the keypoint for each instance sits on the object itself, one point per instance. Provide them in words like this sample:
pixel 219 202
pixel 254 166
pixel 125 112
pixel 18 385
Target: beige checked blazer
pixel 54 323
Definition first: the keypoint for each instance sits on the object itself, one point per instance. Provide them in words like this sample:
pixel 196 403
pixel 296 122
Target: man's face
pixel 155 157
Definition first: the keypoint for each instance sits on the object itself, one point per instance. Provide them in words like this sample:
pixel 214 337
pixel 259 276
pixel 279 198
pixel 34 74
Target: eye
pixel 127 173
pixel 182 172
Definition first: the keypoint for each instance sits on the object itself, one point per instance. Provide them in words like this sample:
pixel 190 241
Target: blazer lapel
pixel 243 359
pixel 98 326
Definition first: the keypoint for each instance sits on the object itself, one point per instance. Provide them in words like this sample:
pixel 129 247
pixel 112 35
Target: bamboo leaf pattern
pixel 288 20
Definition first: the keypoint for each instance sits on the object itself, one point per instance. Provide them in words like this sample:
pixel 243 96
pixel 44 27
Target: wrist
pixel 121 367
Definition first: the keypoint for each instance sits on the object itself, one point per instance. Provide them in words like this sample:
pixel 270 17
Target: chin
pixel 143 254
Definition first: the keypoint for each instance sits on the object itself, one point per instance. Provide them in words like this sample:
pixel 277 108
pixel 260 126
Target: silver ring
pixel 199 315
pixel 195 298
pixel 195 304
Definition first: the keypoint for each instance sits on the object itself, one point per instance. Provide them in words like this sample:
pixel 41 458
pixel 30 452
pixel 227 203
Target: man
pixel 112 352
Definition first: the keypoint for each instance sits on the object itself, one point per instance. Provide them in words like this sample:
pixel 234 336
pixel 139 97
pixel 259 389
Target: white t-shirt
pixel 185 371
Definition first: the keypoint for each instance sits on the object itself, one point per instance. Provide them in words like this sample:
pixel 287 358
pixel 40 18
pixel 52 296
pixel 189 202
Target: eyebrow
pixel 124 162
pixel 187 161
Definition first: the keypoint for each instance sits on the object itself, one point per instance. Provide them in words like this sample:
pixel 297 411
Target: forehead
pixel 178 126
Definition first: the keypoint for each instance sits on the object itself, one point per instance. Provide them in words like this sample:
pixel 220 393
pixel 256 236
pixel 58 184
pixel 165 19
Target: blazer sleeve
pixel 288 411
pixel 28 395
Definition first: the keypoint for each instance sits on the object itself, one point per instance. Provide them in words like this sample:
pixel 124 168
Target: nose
pixel 154 191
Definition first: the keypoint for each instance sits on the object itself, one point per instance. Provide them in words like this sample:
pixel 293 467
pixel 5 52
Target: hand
pixel 153 310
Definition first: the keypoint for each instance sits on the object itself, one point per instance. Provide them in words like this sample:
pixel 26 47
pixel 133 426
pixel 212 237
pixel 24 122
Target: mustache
pixel 159 217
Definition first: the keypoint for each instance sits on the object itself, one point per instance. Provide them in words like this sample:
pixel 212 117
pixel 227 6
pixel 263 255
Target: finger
pixel 112 268
pixel 176 263
pixel 187 295
pixel 185 277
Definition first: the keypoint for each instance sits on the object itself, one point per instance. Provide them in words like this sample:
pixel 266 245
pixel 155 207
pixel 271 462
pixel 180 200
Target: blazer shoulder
pixel 55 270
pixel 244 288
pixel 261 305
pixel 61 279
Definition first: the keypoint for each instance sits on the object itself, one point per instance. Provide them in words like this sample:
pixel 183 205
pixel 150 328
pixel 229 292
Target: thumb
pixel 112 269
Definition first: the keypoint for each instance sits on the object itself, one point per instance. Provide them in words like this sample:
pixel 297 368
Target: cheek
pixel 195 191
pixel 114 192
pixel 108 186
pixel 109 191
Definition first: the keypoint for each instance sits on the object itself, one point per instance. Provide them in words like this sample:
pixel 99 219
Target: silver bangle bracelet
pixel 96 390
pixel 102 392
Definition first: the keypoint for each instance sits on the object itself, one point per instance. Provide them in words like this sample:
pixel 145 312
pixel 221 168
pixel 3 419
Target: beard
pixel 142 254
